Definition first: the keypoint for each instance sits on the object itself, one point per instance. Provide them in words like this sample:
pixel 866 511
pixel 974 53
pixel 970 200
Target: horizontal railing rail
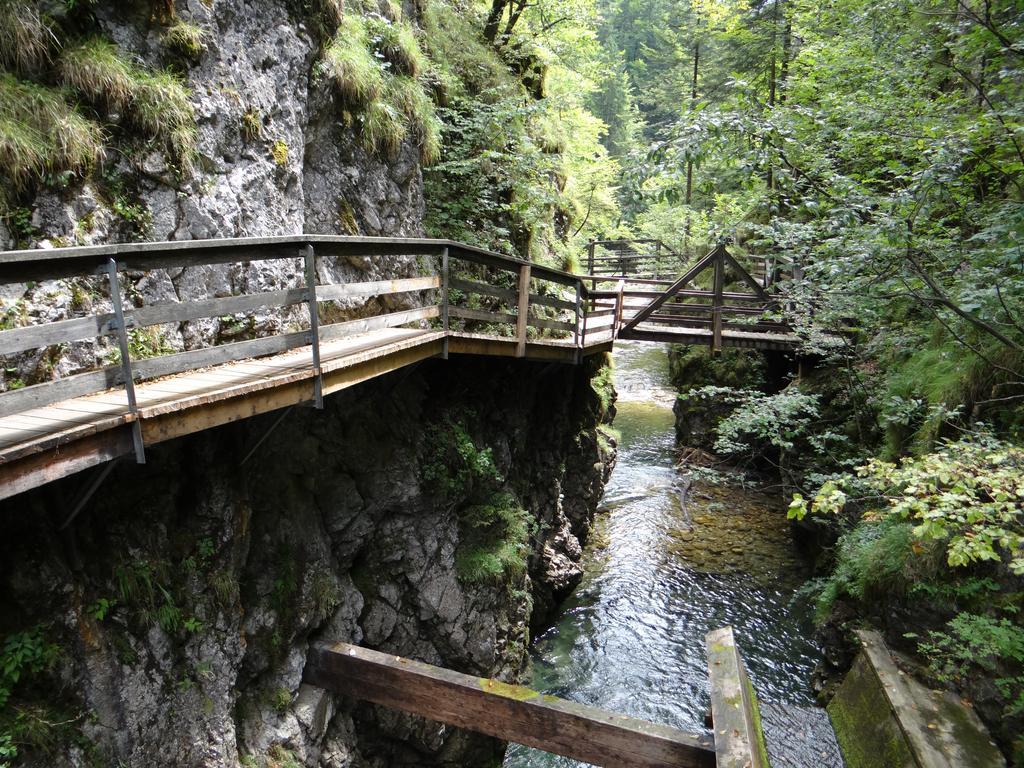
pixel 462 289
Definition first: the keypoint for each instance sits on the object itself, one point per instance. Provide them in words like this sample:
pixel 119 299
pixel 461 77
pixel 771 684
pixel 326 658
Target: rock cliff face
pixel 181 602
pixel 274 154
pixel 296 169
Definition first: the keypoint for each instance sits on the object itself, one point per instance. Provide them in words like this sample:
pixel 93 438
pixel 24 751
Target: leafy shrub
pixel 996 645
pixel 457 469
pixel 969 495
pixel 22 655
pixel 492 540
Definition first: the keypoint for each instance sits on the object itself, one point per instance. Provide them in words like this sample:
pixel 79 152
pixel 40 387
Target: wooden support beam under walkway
pixel 507 712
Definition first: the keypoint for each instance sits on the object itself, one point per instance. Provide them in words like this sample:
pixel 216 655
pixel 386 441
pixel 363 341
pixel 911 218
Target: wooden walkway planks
pixel 507 712
pixel 35 444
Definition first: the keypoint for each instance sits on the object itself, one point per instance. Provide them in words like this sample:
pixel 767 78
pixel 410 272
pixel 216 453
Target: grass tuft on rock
pixel 351 65
pixel 407 95
pixel 382 129
pixel 186 39
pixel 40 133
pixel 154 102
pixel 25 36
pixel 397 43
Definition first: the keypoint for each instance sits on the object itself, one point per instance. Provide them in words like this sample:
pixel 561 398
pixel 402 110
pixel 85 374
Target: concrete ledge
pixel 884 718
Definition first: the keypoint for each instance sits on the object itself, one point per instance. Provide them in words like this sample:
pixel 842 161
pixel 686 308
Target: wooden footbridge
pixel 461 300
pixel 716 301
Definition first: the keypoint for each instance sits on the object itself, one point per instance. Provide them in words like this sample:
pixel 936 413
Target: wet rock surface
pixel 186 594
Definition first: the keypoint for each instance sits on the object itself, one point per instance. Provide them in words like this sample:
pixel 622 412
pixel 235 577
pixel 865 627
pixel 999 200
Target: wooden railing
pixel 521 715
pixel 463 287
pixel 508 712
pixel 641 258
pixel 682 303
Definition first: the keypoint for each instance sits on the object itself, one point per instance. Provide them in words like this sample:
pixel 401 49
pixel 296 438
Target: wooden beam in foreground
pixel 507 712
pixel 739 742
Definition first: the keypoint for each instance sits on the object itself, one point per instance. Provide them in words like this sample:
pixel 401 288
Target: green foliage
pixel 493 540
pixel 350 64
pixel 696 366
pixel 280 757
pixel 279 152
pixel 777 420
pixel 100 608
pixel 41 135
pixel 146 587
pixel 968 496
pixel 973 640
pixel 603 385
pixel 324 592
pixel 455 468
pixel 280 699
pixel 26 37
pixel 186 39
pixel 22 655
pixel 872 560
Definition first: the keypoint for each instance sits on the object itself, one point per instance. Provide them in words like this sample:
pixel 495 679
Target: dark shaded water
pixel 664 568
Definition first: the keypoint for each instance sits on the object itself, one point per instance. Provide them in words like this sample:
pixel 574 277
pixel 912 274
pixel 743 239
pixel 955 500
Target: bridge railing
pixel 718 293
pixel 453 289
pixel 642 258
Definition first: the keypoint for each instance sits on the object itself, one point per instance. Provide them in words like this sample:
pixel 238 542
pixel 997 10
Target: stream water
pixel 664 566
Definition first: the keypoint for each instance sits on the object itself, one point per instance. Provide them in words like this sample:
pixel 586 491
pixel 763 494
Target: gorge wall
pixel 433 513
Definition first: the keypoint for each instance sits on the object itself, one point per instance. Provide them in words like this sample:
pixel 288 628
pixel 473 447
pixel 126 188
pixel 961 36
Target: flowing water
pixel 666 564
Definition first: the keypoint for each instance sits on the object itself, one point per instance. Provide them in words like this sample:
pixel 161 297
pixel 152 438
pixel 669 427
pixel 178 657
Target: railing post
pixel 126 361
pixel 717 300
pixel 444 301
pixel 524 310
pixel 617 317
pixel 576 326
pixel 314 325
pixel 586 313
pixel 590 257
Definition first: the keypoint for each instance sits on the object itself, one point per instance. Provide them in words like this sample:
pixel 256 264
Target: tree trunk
pixel 494 19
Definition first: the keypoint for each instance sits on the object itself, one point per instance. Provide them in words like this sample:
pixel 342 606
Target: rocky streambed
pixel 670 559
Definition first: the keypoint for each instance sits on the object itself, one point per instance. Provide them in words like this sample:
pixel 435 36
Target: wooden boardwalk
pixel 462 305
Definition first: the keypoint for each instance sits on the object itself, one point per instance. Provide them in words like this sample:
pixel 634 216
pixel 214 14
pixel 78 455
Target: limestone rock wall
pixel 182 600
pixel 260 60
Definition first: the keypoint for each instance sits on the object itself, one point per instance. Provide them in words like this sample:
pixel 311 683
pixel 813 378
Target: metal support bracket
pixel 94 485
pixel 314 325
pixel 126 361
pixel 265 435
